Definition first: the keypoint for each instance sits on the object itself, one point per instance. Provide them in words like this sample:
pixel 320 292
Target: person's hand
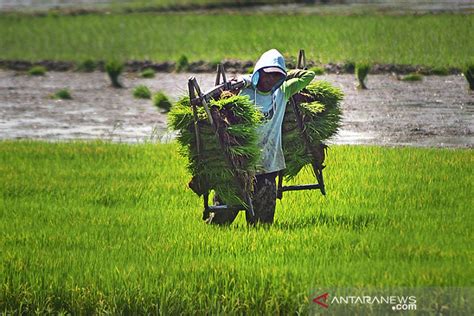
pixel 295 73
pixel 235 80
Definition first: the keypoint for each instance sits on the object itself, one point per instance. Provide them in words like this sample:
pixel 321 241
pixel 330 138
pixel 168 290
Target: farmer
pixel 269 88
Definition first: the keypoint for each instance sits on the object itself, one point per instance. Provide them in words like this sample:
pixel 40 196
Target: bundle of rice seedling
pixel 319 107
pixel 236 119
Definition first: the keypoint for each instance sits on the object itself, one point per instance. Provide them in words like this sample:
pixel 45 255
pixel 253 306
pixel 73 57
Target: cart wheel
pixel 221 218
pixel 264 200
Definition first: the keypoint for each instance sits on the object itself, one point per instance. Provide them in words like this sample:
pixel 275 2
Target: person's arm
pixel 298 80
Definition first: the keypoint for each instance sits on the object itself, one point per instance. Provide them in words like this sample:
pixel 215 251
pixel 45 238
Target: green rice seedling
pixel 348 66
pixel 362 69
pixel 319 105
pixel 37 71
pixel 318 70
pixel 412 77
pixel 148 73
pixel 161 101
pixel 238 119
pixel 468 73
pixel 114 68
pixel 62 94
pixel 142 92
pixel 182 64
pixel 87 65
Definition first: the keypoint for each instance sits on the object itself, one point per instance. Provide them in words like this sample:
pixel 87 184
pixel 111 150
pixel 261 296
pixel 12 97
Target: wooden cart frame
pixel 198 98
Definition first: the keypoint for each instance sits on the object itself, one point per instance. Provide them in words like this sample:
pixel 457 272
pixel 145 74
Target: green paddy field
pixel 102 227
pixel 443 40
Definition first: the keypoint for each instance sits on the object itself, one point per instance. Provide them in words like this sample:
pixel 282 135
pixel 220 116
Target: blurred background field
pixel 442 40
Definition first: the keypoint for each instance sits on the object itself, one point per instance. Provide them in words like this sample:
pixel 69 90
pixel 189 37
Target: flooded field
pixel 314 7
pixel 438 111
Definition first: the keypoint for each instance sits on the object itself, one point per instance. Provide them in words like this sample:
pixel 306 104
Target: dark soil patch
pixel 231 66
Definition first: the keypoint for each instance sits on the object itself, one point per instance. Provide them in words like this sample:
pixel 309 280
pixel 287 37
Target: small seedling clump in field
pixel 37 71
pixel 469 75
pixel 319 105
pixel 182 64
pixel 348 66
pixel 161 101
pixel 142 92
pixel 87 65
pixel 318 70
pixel 114 68
pixel 62 94
pixel 238 118
pixel 148 73
pixel 412 77
pixel 362 69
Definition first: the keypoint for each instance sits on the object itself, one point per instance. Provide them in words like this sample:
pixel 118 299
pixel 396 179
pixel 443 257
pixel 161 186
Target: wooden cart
pixel 198 99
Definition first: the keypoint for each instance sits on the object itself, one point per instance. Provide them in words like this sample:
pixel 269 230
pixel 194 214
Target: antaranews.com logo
pixel 383 301
pixel 396 302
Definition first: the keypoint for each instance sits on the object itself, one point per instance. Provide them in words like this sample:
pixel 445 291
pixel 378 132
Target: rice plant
pixel 114 68
pixel 210 168
pixel 147 73
pixel 161 101
pixel 430 40
pixel 362 69
pixel 182 64
pixel 37 71
pixel 348 66
pixel 62 94
pixel 319 105
pixel 142 92
pixel 111 228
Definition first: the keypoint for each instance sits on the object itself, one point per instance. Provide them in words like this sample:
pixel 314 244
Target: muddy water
pixel 438 111
pixel 332 6
pixel 46 4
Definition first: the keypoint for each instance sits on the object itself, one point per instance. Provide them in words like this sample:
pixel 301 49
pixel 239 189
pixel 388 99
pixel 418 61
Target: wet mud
pixel 435 112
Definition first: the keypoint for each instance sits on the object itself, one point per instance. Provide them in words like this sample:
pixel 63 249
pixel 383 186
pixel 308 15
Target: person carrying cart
pixel 269 87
